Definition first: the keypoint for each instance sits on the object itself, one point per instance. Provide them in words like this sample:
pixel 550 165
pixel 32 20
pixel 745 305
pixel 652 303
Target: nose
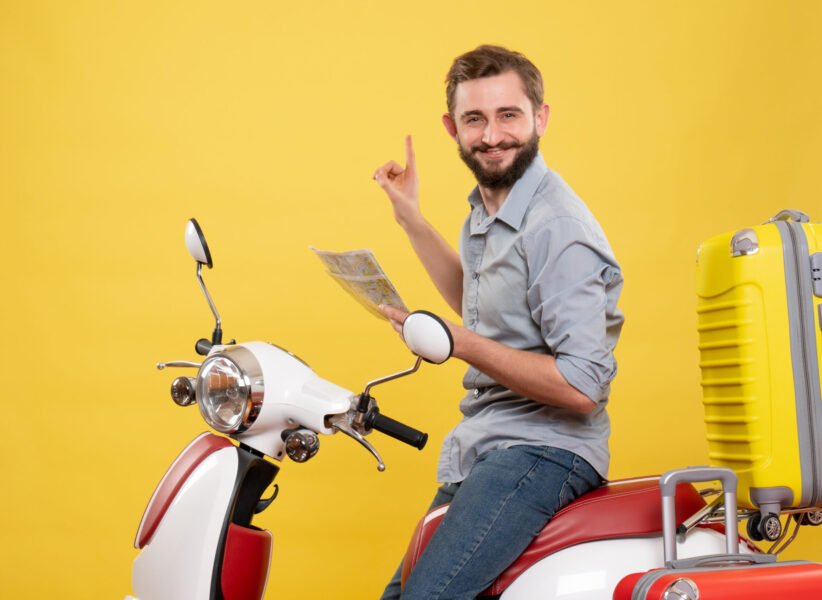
pixel 492 134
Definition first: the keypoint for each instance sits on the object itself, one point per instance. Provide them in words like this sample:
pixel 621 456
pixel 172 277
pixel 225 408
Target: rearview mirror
pixel 196 244
pixel 428 336
pixel 198 249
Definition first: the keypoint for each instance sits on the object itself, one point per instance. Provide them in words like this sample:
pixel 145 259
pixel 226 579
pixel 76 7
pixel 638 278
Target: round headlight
pixel 229 390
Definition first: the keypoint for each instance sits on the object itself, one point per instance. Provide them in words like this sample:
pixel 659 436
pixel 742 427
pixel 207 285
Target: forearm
pixel 532 375
pixel 440 260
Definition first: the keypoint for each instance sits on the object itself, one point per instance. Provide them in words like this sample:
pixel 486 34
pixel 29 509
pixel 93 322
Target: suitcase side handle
pixel 790 215
pixel 667 485
pixel 722 560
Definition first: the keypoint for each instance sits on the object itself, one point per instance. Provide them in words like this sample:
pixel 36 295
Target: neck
pixel 493 198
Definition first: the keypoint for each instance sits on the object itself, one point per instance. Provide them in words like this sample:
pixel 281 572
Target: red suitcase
pixel 719 577
pixel 789 580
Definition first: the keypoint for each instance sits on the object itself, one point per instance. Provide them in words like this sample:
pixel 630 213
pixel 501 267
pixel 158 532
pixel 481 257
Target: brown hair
pixel 487 61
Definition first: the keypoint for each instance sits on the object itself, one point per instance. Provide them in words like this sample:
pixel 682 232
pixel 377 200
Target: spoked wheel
pixel 769 528
pixel 813 518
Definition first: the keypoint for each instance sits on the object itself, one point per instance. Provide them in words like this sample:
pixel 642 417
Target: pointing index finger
pixel 410 160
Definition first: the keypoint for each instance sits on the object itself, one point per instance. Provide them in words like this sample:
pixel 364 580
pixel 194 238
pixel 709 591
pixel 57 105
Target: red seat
pixel 619 509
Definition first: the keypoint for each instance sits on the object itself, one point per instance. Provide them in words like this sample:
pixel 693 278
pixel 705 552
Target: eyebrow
pixel 502 109
pixel 515 109
pixel 472 113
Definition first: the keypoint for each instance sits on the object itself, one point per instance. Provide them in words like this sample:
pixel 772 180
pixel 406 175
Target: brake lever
pixel 341 424
pixel 178 363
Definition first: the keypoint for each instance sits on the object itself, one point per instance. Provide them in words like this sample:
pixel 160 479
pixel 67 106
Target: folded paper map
pixel 359 274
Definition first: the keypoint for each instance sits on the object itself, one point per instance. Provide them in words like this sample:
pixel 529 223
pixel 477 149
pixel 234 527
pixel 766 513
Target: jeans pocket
pixel 582 478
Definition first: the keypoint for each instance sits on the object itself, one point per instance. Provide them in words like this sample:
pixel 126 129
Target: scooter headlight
pixel 230 390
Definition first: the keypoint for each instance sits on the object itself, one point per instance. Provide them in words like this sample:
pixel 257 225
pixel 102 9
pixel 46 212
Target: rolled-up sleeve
pixel 573 283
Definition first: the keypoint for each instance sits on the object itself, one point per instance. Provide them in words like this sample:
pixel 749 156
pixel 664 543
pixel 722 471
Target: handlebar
pixel 356 427
pixel 395 429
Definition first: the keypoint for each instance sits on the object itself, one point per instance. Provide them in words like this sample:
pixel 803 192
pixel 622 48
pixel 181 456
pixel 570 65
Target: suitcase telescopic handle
pixel 790 215
pixel 667 485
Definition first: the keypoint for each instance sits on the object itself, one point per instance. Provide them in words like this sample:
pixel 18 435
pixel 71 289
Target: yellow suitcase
pixel 759 307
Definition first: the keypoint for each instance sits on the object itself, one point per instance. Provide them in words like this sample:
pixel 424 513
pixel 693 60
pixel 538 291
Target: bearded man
pixel 536 284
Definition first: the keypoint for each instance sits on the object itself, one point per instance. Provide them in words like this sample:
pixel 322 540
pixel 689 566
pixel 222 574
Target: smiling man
pixel 536 284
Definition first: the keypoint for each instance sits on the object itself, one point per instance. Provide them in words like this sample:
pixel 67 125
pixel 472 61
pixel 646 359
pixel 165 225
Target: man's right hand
pixel 402 187
pixel 439 259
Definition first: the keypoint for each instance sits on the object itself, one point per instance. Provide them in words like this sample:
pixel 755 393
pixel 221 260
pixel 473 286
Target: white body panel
pixel 591 571
pixel 178 562
pixel 294 395
pixel 160 486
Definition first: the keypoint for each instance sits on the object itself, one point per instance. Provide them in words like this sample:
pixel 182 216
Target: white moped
pixel 196 539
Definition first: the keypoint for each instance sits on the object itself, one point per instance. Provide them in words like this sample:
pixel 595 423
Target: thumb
pixel 395 314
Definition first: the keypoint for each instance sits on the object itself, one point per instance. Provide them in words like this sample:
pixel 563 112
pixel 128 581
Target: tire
pixel 813 518
pixel 753 527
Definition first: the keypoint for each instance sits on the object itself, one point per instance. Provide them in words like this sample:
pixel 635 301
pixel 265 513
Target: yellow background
pixel 265 120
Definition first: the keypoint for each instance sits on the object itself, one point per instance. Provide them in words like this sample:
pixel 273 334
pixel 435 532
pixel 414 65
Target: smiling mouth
pixel 494 153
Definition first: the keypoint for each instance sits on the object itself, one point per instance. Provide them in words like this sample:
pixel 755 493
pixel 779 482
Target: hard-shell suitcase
pixel 760 335
pixel 720 577
pixel 794 580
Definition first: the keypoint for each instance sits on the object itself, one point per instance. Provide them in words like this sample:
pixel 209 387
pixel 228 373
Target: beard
pixel 504 178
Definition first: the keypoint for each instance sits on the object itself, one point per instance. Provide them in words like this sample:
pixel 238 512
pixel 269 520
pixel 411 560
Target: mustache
pixel 481 147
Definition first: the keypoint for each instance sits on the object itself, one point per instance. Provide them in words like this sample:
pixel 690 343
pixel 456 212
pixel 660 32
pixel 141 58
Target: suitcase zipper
pixel 807 348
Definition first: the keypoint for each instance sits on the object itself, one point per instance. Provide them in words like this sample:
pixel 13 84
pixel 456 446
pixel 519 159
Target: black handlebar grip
pixel 396 430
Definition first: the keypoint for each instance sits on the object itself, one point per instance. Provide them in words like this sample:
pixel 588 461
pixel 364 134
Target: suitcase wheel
pixel 769 528
pixel 809 518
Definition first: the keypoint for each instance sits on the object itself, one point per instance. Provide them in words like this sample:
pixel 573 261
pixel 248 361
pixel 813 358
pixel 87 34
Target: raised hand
pixel 437 256
pixel 402 187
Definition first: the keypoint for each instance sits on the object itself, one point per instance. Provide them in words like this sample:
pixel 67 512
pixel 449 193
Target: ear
pixel 450 126
pixel 541 119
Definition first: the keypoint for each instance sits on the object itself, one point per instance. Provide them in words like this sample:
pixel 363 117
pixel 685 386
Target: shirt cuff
pixel 577 373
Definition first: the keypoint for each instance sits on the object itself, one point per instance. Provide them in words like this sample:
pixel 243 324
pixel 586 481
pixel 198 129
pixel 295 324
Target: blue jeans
pixel 506 500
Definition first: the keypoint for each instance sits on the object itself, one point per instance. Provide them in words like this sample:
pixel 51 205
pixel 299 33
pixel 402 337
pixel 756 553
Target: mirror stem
pixel 371 384
pixel 365 398
pixel 217 336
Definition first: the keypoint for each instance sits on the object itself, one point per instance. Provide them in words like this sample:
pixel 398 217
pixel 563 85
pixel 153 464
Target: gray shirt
pixel 538 276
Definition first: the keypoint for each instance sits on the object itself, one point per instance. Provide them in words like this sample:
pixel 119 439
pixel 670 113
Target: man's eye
pixel 509 116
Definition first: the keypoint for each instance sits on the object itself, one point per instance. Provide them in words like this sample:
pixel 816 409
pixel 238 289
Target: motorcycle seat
pixel 619 509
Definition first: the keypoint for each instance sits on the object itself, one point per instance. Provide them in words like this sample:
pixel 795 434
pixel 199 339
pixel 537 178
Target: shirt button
pixel 476 275
pixel 476 393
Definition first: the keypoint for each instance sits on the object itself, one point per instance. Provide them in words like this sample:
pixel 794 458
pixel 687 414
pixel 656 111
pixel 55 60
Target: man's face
pixel 496 128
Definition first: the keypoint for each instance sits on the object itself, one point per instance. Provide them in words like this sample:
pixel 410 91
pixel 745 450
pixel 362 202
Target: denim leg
pixel 444 495
pixel 505 501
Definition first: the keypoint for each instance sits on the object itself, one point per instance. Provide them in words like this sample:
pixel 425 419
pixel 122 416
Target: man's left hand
pixel 396 316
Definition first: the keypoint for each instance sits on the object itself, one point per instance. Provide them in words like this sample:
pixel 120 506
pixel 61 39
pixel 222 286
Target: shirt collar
pixel 513 208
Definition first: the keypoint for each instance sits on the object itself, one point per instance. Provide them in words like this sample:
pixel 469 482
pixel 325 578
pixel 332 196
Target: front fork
pixel 243 555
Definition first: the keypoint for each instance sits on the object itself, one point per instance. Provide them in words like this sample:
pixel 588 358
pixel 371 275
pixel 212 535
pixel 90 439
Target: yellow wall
pixel 118 121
